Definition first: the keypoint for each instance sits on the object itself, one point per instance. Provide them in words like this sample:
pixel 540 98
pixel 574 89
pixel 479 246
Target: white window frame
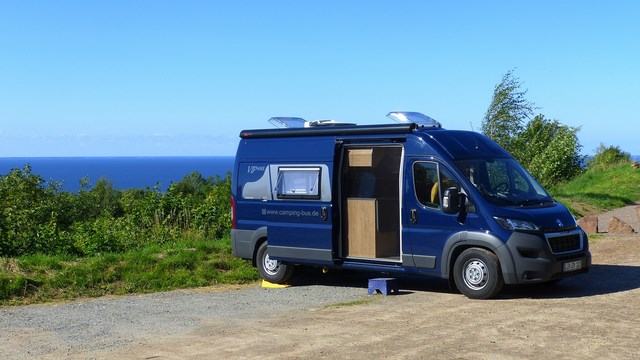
pixel 299 182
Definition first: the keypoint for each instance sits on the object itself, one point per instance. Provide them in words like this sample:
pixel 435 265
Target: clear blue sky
pixel 144 78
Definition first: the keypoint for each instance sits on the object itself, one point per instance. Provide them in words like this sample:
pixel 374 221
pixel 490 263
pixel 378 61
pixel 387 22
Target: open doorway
pixel 371 202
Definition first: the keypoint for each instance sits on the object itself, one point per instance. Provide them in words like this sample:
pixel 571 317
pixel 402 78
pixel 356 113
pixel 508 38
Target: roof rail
pixel 330 130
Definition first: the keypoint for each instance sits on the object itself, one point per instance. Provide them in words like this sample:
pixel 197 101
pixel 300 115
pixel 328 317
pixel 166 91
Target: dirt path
pixel 589 316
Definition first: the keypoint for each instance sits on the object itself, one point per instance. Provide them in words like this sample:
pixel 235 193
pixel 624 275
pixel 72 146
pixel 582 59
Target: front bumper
pixel 534 261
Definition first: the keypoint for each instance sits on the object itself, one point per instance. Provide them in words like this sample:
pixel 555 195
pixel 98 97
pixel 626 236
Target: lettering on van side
pixel 253 168
pixel 294 213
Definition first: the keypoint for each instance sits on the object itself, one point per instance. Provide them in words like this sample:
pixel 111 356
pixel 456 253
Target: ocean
pixel 123 172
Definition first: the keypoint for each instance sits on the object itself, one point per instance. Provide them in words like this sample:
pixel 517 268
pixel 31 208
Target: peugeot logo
pixel 560 224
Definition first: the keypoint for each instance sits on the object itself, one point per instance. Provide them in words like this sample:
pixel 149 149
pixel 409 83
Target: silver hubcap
pixel 270 266
pixel 475 274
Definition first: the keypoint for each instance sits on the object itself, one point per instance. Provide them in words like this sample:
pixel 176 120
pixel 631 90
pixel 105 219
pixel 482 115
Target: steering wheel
pixel 503 186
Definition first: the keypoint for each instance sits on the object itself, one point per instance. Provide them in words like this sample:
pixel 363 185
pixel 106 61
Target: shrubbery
pixel 38 218
pixel 549 150
pixel 608 156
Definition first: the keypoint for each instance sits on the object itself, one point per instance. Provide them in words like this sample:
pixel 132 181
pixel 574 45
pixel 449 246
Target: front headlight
pixel 516 224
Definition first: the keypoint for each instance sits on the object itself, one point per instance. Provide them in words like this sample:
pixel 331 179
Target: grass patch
pixel 364 300
pixel 184 264
pixel 595 238
pixel 600 189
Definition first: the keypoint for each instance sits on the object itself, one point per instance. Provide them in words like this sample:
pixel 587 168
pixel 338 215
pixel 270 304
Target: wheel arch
pixel 462 241
pixel 259 236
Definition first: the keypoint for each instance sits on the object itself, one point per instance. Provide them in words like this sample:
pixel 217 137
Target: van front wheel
pixel 477 274
pixel 271 270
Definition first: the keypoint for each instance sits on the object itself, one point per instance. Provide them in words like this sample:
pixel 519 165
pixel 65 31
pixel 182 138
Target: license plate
pixel 572 266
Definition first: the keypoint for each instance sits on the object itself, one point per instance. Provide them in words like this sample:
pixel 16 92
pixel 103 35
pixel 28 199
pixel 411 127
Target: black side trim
pixel 423 261
pixel 288 252
pixel 407 260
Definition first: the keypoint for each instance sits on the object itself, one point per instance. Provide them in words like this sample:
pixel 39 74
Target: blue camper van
pixel 407 197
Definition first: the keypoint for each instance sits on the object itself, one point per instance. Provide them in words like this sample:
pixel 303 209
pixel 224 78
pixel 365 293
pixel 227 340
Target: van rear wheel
pixel 477 274
pixel 273 271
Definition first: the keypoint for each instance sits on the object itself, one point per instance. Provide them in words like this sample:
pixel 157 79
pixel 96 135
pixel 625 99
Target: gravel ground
pixel 112 322
pixel 627 214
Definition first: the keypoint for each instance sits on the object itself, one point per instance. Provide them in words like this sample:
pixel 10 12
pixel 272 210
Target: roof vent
pixel 326 123
pixel 413 117
pixel 288 122
pixel 296 122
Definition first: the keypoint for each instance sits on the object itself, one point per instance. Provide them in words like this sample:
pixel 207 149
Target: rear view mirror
pixel 451 201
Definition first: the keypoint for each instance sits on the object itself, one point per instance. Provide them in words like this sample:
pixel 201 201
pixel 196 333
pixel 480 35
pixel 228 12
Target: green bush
pixel 216 206
pixel 29 213
pixel 607 156
pixel 38 218
pixel 549 150
pixel 102 235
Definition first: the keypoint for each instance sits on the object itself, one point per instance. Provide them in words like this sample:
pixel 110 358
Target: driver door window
pixel 429 181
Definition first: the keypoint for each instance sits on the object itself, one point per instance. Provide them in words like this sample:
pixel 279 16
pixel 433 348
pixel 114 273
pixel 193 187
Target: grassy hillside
pixel 600 189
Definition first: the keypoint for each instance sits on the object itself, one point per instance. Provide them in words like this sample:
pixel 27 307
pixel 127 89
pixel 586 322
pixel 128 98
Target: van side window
pixel 298 183
pixel 430 181
pixel 425 183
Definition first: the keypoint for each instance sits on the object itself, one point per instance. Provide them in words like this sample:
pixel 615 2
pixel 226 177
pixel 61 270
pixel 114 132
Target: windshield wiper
pixel 500 198
pixel 535 201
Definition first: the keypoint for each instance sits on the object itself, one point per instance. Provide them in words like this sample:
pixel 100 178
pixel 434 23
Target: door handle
pixel 324 213
pixel 413 216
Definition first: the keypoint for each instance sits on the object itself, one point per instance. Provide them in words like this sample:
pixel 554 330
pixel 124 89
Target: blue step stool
pixel 383 285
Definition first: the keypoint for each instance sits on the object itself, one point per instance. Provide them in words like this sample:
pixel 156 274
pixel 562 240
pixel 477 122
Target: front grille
pixel 565 243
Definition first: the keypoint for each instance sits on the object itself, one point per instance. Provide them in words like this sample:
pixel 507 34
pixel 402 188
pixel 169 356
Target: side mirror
pixel 452 201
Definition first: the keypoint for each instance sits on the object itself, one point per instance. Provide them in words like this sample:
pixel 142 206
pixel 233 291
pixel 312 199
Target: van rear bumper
pixel 534 262
pixel 243 243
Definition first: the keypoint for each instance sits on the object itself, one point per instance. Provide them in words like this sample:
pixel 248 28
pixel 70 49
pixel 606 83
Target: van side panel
pixel 284 192
pixel 299 215
pixel 248 214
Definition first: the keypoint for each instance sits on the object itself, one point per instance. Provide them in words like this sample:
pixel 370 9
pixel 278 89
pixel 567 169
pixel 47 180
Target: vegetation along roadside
pixel 61 245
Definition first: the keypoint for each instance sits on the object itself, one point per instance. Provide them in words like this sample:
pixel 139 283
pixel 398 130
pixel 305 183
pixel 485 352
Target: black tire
pixel 273 271
pixel 477 274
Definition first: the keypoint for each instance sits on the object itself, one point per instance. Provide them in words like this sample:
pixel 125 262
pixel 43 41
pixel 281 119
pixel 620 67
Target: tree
pixel 549 150
pixel 507 112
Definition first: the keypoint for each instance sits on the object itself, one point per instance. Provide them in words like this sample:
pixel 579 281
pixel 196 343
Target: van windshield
pixel 503 181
